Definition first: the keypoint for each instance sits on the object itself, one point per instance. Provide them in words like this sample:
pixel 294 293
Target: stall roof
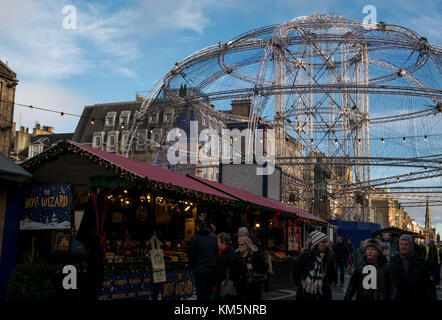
pixel 12 172
pixel 253 198
pixel 158 174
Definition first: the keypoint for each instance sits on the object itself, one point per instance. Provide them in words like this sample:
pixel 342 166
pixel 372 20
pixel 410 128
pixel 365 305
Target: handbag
pixel 227 288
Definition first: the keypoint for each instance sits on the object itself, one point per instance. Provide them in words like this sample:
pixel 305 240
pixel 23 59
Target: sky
pixel 121 47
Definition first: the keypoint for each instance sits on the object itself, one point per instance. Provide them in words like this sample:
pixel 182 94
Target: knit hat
pixel 315 237
pixel 372 242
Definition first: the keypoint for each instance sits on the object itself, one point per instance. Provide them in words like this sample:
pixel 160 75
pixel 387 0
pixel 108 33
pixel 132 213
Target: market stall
pixel 139 202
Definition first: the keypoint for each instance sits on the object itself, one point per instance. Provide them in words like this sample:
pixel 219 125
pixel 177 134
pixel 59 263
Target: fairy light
pixel 61 114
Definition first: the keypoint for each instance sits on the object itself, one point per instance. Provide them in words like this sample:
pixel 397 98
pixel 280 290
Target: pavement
pixel 338 292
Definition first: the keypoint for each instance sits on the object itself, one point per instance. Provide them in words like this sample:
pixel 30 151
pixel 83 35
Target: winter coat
pixel 303 265
pixel 350 248
pixel 387 285
pixel 221 265
pixel 416 283
pixel 341 252
pixel 248 291
pixel 359 256
pixel 203 248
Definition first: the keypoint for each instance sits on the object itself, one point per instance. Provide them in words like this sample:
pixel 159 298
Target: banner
pixel 47 207
pixel 139 286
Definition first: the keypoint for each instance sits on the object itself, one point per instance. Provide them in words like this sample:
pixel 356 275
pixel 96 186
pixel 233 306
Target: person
pixel 433 258
pixel 360 253
pixel 351 250
pixel 222 264
pixel 341 254
pixel 412 273
pixel 248 259
pixel 386 286
pixel 202 251
pixel 314 270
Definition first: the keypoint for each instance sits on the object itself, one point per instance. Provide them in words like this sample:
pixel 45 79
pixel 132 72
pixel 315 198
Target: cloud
pixel 37 46
pixel 50 96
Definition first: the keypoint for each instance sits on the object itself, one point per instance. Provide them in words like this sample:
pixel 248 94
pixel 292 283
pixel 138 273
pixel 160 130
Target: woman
pixel 248 260
pixel 314 270
pixel 385 286
pixel 223 263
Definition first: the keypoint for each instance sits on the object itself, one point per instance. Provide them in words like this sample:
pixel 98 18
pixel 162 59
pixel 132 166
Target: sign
pixel 47 207
pixel 139 286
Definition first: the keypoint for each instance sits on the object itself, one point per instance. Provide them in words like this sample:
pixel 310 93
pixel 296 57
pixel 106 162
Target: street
pixel 338 292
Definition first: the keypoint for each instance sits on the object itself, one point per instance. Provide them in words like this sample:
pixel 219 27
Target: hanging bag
pixel 227 288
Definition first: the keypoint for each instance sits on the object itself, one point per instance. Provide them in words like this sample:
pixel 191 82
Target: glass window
pixel 112 141
pixel 110 118
pixel 124 117
pixel 97 140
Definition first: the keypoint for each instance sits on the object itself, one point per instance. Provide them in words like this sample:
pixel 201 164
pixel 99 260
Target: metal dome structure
pixel 362 97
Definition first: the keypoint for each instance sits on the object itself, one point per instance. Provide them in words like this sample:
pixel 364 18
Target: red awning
pixel 145 170
pixel 265 202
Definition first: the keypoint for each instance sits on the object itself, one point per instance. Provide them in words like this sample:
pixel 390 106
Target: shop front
pixel 138 203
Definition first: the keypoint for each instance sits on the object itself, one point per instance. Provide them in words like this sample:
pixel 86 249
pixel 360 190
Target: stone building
pixel 8 82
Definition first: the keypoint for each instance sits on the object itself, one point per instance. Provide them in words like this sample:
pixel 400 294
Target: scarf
pixel 312 284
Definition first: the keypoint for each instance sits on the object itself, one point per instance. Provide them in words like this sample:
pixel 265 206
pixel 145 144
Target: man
pixel 360 253
pixel 411 272
pixel 433 258
pixel 203 248
pixel 314 270
pixel 350 249
pixel 341 254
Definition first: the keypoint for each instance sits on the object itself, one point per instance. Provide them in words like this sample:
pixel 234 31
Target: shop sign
pixel 47 207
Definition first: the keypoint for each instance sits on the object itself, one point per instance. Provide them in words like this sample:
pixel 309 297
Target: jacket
pixel 341 252
pixel 203 248
pixel 248 291
pixel 303 265
pixel 415 284
pixel 387 284
pixel 359 256
pixel 432 256
pixel 221 264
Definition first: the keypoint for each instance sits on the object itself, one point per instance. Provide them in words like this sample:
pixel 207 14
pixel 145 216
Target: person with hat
pixel 382 286
pixel 433 258
pixel 341 255
pixel 412 272
pixel 314 270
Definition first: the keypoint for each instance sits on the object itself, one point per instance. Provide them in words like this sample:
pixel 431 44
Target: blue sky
pixel 120 47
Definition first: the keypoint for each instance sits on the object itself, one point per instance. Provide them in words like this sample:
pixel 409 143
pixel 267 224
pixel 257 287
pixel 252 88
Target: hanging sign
pixel 47 207
pixel 157 259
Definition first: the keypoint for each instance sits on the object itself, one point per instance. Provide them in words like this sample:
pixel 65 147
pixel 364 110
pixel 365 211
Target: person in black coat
pixel 386 285
pixel 94 238
pixel 223 263
pixel 341 255
pixel 314 270
pixel 202 250
pixel 248 259
pixel 412 272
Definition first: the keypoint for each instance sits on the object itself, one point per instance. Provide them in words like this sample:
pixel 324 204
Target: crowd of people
pixel 220 262
pixel 413 274
pixel 235 268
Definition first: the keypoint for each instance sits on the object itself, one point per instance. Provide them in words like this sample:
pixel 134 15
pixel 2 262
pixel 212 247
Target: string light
pixel 61 114
pixel 92 121
pixel 425 138
pixel 382 140
pixel 404 139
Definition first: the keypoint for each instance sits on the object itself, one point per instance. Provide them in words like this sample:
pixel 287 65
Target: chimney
pixel 241 107
pixel 37 126
pixel 27 130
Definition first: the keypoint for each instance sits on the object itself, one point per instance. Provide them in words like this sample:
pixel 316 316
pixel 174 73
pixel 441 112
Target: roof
pixel 51 138
pixel 12 172
pixel 253 198
pixel 165 176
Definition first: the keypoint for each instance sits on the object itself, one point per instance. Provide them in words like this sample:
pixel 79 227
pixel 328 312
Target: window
pixel 124 137
pixel 156 137
pixel 112 141
pixel 167 117
pixel 153 118
pixel 34 149
pixel 204 121
pixel 141 140
pixel 124 117
pixel 110 118
pixel 98 139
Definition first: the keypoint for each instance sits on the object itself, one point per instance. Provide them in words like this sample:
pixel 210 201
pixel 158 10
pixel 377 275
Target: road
pixel 338 293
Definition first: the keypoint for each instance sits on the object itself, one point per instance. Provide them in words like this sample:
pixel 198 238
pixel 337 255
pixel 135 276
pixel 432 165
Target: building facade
pixel 8 83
